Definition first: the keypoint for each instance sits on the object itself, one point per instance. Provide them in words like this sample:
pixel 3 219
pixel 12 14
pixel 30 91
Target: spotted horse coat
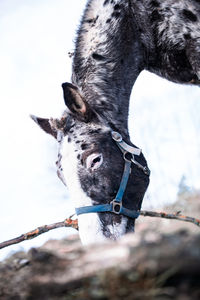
pixel 116 40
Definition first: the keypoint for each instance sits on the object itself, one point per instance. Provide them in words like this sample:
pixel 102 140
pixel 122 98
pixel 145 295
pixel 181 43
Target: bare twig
pixel 36 232
pixel 74 224
pixel 176 216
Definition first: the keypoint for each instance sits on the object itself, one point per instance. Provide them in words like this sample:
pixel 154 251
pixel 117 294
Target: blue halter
pixel 116 206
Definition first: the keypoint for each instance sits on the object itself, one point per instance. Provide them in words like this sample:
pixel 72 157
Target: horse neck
pixel 108 58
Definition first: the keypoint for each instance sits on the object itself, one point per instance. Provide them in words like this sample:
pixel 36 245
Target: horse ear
pixel 75 102
pixel 46 125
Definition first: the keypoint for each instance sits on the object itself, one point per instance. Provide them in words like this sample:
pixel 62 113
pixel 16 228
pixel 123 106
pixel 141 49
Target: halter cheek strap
pixel 116 206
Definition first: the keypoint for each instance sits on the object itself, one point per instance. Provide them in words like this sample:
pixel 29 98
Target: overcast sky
pixel 35 37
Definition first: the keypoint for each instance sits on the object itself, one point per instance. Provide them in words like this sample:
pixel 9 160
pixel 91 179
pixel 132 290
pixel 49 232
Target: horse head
pixel 91 163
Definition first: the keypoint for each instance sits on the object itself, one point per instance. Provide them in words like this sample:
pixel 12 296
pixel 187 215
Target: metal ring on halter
pixel 125 158
pixel 116 207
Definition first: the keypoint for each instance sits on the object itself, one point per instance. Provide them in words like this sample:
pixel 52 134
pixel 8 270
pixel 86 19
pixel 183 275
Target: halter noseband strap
pixel 116 206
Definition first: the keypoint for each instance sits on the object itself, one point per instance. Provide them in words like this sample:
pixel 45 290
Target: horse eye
pixel 94 161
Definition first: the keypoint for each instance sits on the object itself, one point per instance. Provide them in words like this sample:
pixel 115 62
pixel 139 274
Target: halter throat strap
pixel 116 206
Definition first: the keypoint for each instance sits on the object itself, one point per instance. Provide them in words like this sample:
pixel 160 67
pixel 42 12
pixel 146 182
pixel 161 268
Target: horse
pixel 106 174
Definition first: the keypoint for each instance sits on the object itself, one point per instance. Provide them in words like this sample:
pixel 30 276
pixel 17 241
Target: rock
pixel 139 266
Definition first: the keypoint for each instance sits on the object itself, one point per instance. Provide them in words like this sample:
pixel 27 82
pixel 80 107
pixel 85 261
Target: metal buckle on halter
pixel 116 207
pixel 116 136
pixel 146 170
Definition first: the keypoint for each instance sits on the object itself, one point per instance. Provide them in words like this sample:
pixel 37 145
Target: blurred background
pixel 164 120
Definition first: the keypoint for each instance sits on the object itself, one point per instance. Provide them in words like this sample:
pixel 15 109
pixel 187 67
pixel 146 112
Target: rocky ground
pixel 160 261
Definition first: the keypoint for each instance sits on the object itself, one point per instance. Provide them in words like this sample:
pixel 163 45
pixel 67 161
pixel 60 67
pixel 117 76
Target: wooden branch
pixel 74 224
pixel 176 216
pixel 42 229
